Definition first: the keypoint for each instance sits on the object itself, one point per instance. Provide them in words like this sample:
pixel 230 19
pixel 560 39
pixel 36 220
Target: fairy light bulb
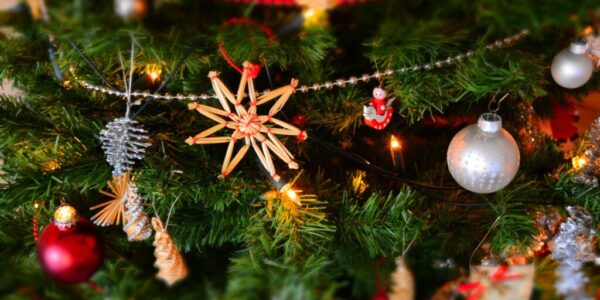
pixel 288 192
pixel 308 13
pixel 292 195
pixel 153 71
pixel 395 143
pixel 396 152
pixel 314 17
pixel 578 162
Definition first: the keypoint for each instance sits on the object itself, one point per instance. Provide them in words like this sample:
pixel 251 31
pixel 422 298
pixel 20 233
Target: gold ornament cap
pixel 65 216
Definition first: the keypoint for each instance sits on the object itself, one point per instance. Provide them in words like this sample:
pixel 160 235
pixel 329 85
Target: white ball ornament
pixel 572 67
pixel 483 158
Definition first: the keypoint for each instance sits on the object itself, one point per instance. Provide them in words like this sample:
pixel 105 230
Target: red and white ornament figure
pixel 378 111
pixel 70 249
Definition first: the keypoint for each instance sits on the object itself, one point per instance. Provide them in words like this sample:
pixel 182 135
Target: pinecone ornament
pixel 123 142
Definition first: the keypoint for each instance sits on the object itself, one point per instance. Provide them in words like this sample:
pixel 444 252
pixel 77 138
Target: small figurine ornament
pixel 378 111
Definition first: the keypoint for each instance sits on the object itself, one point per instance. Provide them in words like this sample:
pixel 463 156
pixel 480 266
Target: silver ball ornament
pixel 572 68
pixel 483 158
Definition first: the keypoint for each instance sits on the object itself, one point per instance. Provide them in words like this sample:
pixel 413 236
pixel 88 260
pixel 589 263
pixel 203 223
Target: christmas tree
pixel 224 149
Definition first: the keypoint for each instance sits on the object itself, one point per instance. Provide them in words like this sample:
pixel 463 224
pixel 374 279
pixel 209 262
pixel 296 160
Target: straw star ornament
pixel 257 131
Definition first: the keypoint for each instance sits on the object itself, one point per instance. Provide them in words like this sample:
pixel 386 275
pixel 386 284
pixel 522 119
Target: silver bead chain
pixel 508 41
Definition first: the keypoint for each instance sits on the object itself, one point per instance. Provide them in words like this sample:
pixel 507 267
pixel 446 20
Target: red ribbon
pixel 253 70
pixel 476 289
pixel 380 292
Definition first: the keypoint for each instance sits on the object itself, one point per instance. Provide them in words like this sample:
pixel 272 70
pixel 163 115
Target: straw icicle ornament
pixel 403 282
pixel 136 223
pixel 125 206
pixel 170 263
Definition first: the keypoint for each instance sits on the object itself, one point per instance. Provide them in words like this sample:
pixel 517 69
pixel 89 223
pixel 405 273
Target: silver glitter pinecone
pixel 483 158
pixel 572 68
pixel 572 246
pixel 123 141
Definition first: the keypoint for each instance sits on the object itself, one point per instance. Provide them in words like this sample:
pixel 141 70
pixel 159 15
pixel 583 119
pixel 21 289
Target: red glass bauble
pixel 70 254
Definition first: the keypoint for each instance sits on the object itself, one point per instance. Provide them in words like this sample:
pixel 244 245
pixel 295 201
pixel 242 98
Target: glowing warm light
pixel 579 162
pixel 288 192
pixel 308 13
pixel 292 195
pixel 395 143
pixel 315 17
pixel 153 71
pixel 396 152
pixel 587 31
pixel 66 83
pixel 36 205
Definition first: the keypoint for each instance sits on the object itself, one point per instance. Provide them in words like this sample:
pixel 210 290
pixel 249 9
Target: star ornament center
pixel 257 131
pixel 250 124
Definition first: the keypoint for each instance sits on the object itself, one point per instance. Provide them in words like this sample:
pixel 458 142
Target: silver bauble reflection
pixel 572 68
pixel 483 158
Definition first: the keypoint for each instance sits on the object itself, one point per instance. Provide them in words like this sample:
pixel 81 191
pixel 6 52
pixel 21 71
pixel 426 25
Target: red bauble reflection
pixel 72 254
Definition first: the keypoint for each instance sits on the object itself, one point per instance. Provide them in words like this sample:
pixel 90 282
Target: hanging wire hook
pixel 154 209
pixel 498 104
pixel 409 245
pixel 404 247
pixel 128 82
pixel 170 211
pixel 484 238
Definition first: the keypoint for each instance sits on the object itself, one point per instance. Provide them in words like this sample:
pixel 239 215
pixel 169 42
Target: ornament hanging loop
pixel 492 227
pixel 170 212
pixel 495 110
pixel 265 29
pixel 127 82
